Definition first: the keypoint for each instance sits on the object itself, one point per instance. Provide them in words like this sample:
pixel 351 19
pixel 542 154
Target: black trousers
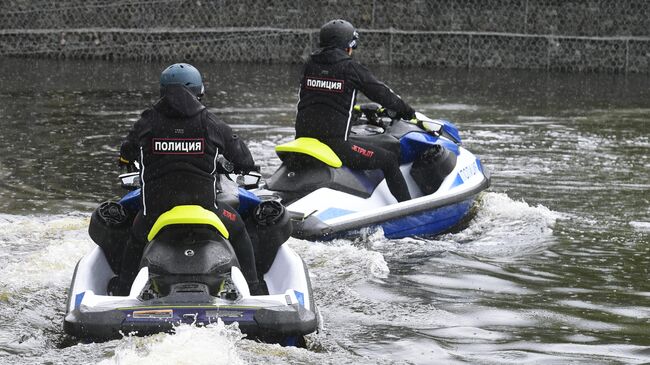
pixel 239 239
pixel 373 152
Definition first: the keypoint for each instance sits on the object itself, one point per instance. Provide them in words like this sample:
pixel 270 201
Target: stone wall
pixel 580 35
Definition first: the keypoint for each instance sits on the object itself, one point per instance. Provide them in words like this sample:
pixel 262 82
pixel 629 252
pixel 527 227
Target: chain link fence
pixel 580 35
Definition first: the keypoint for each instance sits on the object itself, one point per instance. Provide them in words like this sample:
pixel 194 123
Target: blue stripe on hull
pixel 428 223
pixel 331 213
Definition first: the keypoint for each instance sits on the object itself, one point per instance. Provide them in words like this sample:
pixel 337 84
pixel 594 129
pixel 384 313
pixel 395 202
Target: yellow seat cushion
pixel 311 147
pixel 187 214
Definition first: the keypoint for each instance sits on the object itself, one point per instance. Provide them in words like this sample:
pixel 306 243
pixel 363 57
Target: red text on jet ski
pixel 364 152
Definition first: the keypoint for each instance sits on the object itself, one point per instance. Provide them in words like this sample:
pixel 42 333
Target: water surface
pixel 551 269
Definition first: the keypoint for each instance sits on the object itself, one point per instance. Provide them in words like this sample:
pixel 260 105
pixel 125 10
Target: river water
pixel 551 269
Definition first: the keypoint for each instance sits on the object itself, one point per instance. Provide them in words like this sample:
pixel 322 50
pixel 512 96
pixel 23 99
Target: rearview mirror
pixel 250 180
pixel 130 181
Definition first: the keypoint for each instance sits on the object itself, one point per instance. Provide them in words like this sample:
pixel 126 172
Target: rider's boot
pixel 258 288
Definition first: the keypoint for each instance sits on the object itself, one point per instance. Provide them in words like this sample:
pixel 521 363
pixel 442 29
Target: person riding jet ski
pixel 176 142
pixel 328 90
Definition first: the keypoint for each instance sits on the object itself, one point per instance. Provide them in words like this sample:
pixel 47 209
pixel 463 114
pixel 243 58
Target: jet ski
pixel 190 274
pixel 328 200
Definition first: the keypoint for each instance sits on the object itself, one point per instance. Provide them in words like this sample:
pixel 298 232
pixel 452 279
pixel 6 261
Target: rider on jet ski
pixel 328 91
pixel 176 142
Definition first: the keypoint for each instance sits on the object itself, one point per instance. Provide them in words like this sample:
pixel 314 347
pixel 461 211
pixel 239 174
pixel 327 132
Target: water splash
pixel 500 228
pixel 213 344
pixel 41 251
pixel 341 259
pixel 37 256
pixel 640 226
pixel 503 227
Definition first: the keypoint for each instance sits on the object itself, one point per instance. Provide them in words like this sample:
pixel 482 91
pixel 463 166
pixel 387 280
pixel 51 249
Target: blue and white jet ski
pixel 190 275
pixel 328 200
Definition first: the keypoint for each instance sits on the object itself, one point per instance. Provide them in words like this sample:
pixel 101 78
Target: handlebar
pixel 377 115
pixel 226 167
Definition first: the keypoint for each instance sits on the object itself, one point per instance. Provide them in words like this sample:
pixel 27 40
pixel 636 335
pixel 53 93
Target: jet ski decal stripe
pixel 333 213
pixel 457 182
pixel 468 171
pixel 301 297
pixel 78 298
pixel 478 163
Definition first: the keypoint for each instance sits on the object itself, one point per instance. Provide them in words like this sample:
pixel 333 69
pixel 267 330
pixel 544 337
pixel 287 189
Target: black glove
pixel 408 115
pixel 224 166
pixel 370 108
pixel 371 111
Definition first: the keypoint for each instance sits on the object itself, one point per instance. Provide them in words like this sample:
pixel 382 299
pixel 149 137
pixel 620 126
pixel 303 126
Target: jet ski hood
pixel 329 55
pixel 178 101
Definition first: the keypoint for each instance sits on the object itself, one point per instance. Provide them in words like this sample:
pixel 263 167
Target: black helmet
pixel 183 74
pixel 338 33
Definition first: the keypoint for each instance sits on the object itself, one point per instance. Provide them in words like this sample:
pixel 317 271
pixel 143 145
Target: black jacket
pixel 176 142
pixel 328 90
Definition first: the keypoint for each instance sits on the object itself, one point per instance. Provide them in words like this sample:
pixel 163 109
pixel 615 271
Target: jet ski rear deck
pixel 93 314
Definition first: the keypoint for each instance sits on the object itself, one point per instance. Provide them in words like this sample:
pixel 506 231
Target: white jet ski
pixel 190 274
pixel 328 200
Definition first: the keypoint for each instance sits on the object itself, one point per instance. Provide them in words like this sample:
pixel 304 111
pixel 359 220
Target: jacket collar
pixel 178 101
pixel 329 55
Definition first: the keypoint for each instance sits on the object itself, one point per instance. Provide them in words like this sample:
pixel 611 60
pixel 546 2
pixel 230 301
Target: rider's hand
pixel 369 108
pixel 224 166
pixel 409 115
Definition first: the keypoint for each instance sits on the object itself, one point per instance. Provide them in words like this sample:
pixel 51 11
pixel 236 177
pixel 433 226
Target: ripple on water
pixel 357 297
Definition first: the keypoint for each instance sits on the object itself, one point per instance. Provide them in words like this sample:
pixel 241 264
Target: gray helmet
pixel 183 74
pixel 338 33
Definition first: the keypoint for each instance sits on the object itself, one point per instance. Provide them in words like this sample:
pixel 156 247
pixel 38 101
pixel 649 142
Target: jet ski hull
pixel 329 211
pixel 283 316
pixel 425 216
